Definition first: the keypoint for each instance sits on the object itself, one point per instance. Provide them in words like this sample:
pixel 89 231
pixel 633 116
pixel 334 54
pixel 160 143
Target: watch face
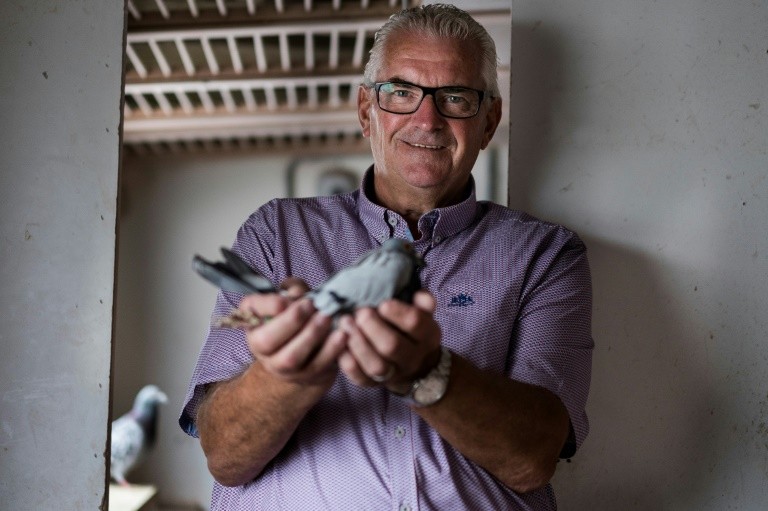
pixel 430 390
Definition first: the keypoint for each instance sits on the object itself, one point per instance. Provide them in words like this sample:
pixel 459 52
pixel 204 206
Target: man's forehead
pixel 416 41
pixel 431 61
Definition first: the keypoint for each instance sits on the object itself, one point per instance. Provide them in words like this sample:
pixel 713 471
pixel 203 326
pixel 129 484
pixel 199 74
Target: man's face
pixel 424 151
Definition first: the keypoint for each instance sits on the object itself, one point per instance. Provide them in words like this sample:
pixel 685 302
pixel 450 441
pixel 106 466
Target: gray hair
pixel 437 20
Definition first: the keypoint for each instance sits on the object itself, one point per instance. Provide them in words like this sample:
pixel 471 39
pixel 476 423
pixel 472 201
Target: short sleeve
pixel 225 353
pixel 552 338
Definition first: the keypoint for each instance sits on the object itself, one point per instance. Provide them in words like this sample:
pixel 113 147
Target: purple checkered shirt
pixel 514 297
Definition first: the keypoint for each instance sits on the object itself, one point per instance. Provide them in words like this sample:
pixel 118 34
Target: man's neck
pixel 412 204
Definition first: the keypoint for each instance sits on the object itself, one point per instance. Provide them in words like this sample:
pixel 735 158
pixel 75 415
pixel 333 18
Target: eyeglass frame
pixel 426 91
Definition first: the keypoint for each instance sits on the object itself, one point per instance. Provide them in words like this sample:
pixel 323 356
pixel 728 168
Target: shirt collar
pixel 436 225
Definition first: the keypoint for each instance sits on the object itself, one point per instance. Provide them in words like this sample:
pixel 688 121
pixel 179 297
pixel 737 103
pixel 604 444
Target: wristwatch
pixel 431 388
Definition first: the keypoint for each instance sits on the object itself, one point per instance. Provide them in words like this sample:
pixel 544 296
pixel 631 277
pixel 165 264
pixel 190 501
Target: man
pixel 464 398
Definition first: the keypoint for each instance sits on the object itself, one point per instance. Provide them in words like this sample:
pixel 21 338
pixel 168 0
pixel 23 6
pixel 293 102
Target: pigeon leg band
pixel 240 319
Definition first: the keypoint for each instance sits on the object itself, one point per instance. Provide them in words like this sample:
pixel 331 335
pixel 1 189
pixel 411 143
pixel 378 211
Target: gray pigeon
pixel 134 433
pixel 390 271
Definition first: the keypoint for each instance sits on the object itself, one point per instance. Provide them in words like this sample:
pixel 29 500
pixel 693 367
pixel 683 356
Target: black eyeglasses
pixel 451 101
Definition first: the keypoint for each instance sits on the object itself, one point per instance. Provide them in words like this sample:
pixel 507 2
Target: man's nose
pixel 428 112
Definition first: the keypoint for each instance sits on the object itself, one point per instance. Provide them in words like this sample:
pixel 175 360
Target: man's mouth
pixel 425 146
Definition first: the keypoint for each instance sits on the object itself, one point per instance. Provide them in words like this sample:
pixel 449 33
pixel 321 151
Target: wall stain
pixel 27 227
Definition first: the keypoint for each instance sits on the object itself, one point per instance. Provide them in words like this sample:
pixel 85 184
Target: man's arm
pixel 514 430
pixel 243 423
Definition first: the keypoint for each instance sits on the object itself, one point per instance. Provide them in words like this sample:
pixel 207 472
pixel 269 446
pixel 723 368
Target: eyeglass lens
pixel 405 98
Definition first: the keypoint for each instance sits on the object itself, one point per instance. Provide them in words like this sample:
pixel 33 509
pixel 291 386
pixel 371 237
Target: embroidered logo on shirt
pixel 461 300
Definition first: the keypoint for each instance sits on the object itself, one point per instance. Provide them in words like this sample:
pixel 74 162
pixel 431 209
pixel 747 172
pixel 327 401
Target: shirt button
pixel 392 221
pixel 405 507
pixel 438 239
pixel 399 432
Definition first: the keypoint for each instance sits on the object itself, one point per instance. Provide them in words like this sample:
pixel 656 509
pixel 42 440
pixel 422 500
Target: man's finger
pixel 264 305
pixel 370 361
pixel 274 334
pixel 351 368
pixel 425 301
pixel 294 287
pixel 294 355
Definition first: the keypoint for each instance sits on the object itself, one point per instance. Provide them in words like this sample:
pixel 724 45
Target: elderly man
pixel 464 398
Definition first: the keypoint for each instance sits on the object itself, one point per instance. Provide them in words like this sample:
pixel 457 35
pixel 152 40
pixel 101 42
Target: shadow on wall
pixel 651 403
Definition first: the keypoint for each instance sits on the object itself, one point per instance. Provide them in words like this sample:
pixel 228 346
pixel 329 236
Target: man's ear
pixel 492 120
pixel 364 109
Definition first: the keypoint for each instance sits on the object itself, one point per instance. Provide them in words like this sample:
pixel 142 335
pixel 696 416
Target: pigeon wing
pixel 378 276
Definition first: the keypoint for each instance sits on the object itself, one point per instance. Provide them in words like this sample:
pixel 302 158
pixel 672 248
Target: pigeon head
pixel 397 245
pixel 402 246
pixel 147 400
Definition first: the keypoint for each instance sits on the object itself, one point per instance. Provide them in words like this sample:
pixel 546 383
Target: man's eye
pixel 455 99
pixel 402 93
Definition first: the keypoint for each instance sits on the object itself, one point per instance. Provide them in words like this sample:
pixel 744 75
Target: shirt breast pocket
pixel 477 312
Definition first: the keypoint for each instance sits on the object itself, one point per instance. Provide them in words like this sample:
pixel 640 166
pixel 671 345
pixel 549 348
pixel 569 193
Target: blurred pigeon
pixel 134 433
pixel 390 271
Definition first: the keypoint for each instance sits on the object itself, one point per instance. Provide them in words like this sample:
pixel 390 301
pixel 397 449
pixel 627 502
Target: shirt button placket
pixel 401 452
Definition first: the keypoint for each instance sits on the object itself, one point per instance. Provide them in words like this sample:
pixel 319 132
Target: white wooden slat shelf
pixel 159 13
pixel 152 100
pixel 155 56
pixel 250 73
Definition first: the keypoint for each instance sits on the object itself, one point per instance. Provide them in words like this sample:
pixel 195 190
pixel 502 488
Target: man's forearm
pixel 244 422
pixel 514 430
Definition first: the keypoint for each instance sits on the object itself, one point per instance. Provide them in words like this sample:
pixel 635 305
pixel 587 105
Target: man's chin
pixel 425 180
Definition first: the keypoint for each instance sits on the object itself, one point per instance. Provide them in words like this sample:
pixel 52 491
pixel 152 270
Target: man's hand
pixel 296 343
pixel 394 344
pixel 245 422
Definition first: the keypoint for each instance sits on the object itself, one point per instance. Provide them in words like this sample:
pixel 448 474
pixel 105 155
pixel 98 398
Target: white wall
pixel 642 125
pixel 60 89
